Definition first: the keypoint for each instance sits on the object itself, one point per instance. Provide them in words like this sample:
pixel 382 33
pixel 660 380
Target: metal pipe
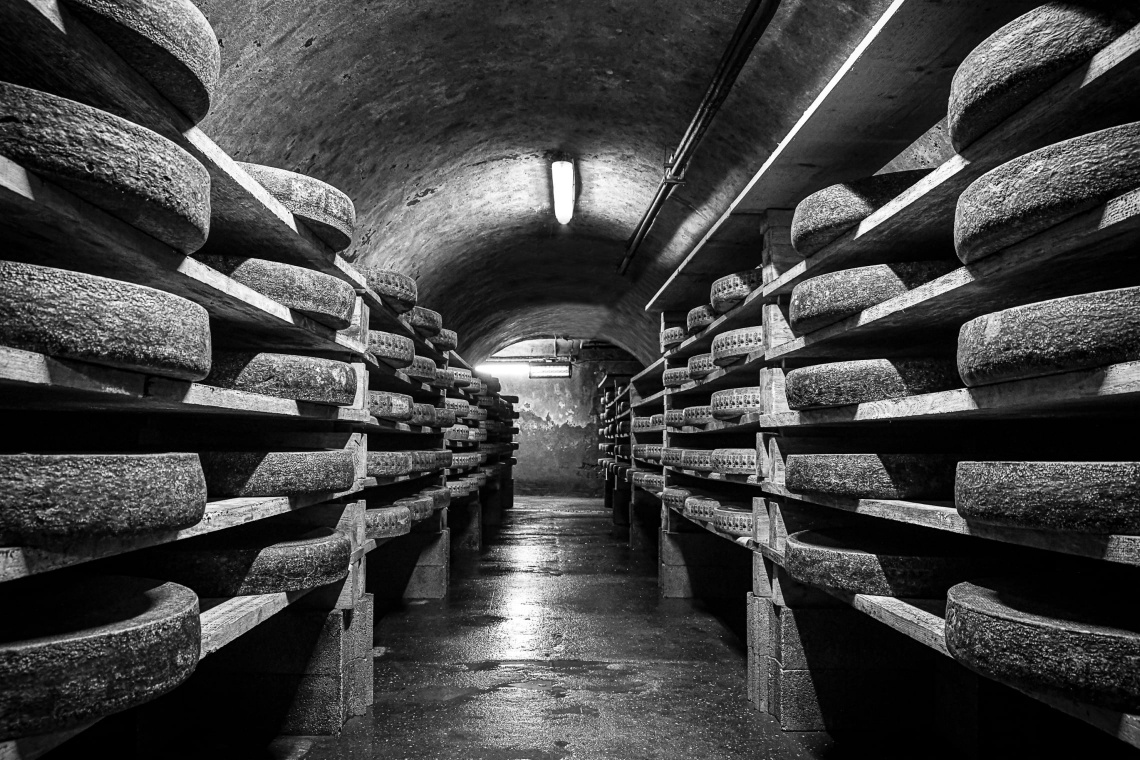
pixel 751 26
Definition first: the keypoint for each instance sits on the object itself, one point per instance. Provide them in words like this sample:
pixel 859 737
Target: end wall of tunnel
pixel 558 432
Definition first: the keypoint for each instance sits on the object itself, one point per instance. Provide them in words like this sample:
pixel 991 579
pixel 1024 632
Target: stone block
pixel 836 637
pixel 788 592
pixel 848 700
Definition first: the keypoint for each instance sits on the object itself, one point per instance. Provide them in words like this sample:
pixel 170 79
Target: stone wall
pixel 558 432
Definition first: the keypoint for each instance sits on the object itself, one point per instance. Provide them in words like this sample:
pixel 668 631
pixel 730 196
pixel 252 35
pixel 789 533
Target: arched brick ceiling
pixel 438 118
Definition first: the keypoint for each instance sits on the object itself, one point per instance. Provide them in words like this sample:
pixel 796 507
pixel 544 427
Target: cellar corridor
pixel 599 380
pixel 554 643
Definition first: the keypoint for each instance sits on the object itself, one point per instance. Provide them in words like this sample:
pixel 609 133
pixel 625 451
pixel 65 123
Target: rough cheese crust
pixel 169 42
pixel 128 171
pixel 328 212
pixel 94 319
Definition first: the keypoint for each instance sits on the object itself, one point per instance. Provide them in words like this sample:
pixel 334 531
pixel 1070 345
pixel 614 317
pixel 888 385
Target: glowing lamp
pixel 562 179
pixel 550 371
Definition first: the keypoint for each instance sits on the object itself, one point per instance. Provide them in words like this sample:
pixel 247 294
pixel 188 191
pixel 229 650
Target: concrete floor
pixel 554 644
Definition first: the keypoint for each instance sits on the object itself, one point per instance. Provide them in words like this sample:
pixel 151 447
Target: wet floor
pixel 554 644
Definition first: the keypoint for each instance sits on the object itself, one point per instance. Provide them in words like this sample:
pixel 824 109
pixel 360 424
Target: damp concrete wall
pixel 558 433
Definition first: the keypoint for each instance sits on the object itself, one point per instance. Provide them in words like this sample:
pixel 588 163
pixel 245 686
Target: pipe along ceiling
pixel 440 118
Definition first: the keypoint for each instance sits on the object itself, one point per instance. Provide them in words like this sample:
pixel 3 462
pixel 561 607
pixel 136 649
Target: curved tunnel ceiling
pixel 439 119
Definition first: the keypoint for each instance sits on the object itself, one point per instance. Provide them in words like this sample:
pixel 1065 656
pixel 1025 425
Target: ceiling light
pixel 562 179
pixel 550 370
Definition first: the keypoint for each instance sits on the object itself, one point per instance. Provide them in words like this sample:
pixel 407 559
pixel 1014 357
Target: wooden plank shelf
pixel 379 427
pixel 920 221
pixel 62 55
pixel 732 376
pixel 223 620
pixel 720 428
pixel 891 88
pixel 1112 390
pixel 1093 251
pixel 943 516
pixel 34 381
pixel 384 378
pixel 714 479
pixel 656 401
pixel 924 620
pixel 24 561
pixel 746 314
pixel 648 380
pixel 657 429
pixel 742 541
pixel 44 224
pixel 621 396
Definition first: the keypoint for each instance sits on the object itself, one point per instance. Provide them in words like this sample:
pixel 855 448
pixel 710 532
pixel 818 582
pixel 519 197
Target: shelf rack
pixel 883 111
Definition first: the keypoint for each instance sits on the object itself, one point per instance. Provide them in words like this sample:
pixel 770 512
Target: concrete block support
pixel 415 566
pixel 492 507
pixel 466 521
pixel 643 512
pixel 830 668
pixel 701 565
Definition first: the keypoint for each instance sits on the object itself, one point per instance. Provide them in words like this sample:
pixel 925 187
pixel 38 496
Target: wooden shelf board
pixel 719 427
pixel 943 516
pixel 35 381
pixel 649 379
pixel 717 478
pixel 23 561
pixel 384 378
pixel 1113 389
pixel 746 314
pixel 892 87
pixel 921 219
pixel 657 400
pixel 742 541
pixel 223 620
pixel 724 377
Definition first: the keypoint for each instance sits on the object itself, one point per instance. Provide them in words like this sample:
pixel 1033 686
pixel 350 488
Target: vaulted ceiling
pixel 439 118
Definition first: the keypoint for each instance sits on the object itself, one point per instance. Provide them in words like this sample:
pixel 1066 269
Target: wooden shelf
pixel 1094 251
pixel 35 381
pixel 1113 390
pixel 380 427
pixel 714 479
pixel 23 561
pixel 648 380
pixel 720 428
pixel 724 377
pixel 618 398
pixel 46 225
pixel 943 516
pixel 924 620
pixel 921 219
pixel 384 378
pixel 748 313
pixel 656 401
pixel 245 217
pixel 742 541
pixel 893 86
pixel 223 620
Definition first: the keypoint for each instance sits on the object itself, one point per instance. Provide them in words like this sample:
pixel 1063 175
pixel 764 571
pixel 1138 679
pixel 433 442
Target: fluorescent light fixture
pixel 562 179
pixel 504 369
pixel 543 371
